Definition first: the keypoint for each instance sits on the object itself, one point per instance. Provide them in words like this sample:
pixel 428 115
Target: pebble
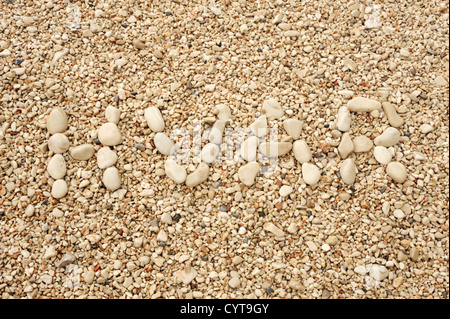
pixel 106 157
pixel 57 166
pixel 293 127
pixel 59 188
pixel 248 172
pixel 311 173
pixel 154 119
pixel 362 104
pixel 174 171
pixel 414 254
pixel 345 147
pixel 163 144
pixel 301 151
pixel 215 136
pixel 58 143
pixel 109 134
pixel 379 273
pixel 397 171
pixel 198 176
pixel 29 211
pixel 234 282
pixel 440 81
pixel 111 178
pixel 394 119
pixel 162 236
pixel 398 213
pixel 272 108
pixel 362 144
pixel 50 252
pixel 66 260
pixel 210 152
pixel 166 218
pixel 270 227
pixel 332 240
pixel 343 121
pixel 390 137
pixel 223 112
pixel 82 152
pixel 249 149
pixel 275 149
pixel 285 190
pixel 382 155
pixel 425 128
pixel 348 171
pixel 296 285
pixel 57 121
pixel 186 274
pixel 259 126
pixel 112 114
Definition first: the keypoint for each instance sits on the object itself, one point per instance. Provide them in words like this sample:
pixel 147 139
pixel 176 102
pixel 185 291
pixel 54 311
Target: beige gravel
pixel 274 236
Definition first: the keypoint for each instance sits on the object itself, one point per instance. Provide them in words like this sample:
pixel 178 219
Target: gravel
pixel 356 207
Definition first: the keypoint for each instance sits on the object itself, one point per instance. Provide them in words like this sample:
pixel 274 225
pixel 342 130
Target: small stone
pixel 57 166
pixel 379 273
pixel 301 151
pixel 361 104
pixel 163 144
pixel 112 114
pixel 58 143
pixel 259 127
pixel 275 149
pixel 248 172
pixel 162 236
pixel 343 120
pixel 273 229
pixel 350 64
pixel 50 252
pixel 414 254
pixel 210 152
pixel 285 190
pixel 332 240
pixel 346 147
pixel 272 108
pixel 111 178
pixel 397 171
pixel 360 270
pixel 89 276
pixel 249 149
pixel 311 245
pixel 215 135
pixel 186 274
pixel 109 134
pixel 311 173
pixel 29 211
pixel 390 137
pixel 59 189
pixel 398 213
pixel 106 157
pixel 82 152
pixel 425 128
pixel 138 44
pixel 234 282
pixel 362 144
pixel 293 127
pixel 154 119
pixel 174 171
pixel 224 112
pixel 198 176
pixel 296 285
pixel 292 34
pixel 440 81
pixel 394 119
pixel 382 155
pixel 166 218
pixel 348 171
pixel 57 121
pixel 326 247
pixel 66 260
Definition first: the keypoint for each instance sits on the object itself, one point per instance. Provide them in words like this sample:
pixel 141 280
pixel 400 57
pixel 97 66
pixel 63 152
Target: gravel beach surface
pixel 95 97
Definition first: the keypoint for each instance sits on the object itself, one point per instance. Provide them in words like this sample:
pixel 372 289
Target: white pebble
pixel 111 178
pixel 59 188
pixel 106 157
pixel 58 143
pixel 109 134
